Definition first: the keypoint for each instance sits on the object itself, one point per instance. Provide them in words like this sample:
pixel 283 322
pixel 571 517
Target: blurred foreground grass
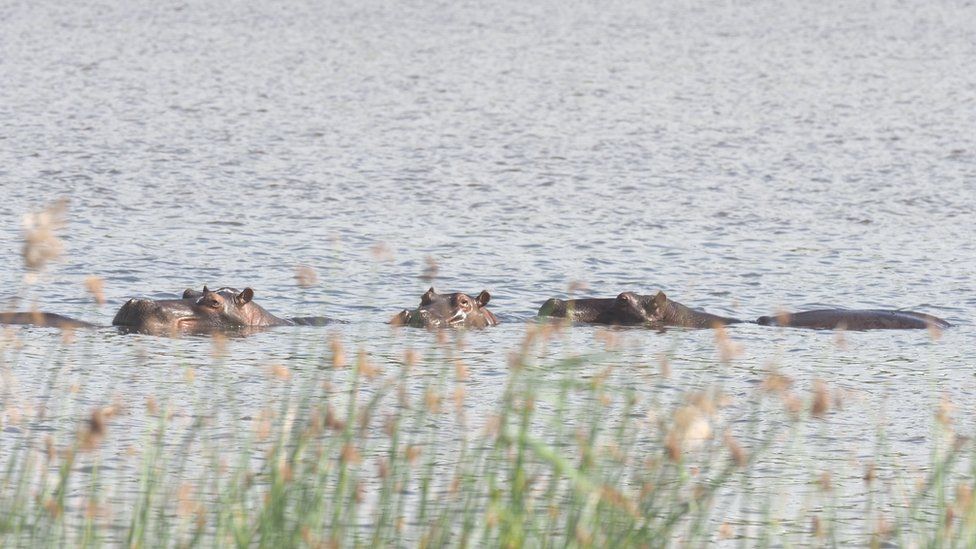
pixel 346 452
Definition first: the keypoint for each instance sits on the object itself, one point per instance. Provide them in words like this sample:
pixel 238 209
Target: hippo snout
pixel 448 310
pixel 425 319
pixel 418 318
pixel 147 314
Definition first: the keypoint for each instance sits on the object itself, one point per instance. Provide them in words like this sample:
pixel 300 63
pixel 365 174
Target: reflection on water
pixel 743 158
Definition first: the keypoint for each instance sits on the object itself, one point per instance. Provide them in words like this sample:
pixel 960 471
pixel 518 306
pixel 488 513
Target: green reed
pixel 361 453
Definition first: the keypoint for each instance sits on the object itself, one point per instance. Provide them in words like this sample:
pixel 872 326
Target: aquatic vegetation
pixel 383 450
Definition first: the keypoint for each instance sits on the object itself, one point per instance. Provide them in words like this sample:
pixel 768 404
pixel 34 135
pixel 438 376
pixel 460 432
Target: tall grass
pixel 359 453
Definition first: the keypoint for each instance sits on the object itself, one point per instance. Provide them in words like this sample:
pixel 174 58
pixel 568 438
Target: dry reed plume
pixel 41 241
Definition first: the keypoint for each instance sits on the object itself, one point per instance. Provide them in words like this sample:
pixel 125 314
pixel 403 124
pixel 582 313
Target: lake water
pixel 744 157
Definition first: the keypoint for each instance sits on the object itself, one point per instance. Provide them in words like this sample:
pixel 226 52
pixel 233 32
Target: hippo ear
pixel 428 296
pixel 244 297
pixel 187 293
pixel 205 290
pixel 660 300
pixel 483 298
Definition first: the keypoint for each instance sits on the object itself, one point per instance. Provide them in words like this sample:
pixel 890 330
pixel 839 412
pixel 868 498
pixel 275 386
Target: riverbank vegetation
pixel 353 449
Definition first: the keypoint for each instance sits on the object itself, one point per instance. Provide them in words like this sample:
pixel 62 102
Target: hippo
pixel 38 318
pixel 207 310
pixel 623 310
pixel 631 309
pixel 448 311
pixel 198 312
pixel 855 319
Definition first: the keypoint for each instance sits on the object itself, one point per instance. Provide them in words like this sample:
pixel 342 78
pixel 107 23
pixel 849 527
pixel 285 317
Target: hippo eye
pixel 214 303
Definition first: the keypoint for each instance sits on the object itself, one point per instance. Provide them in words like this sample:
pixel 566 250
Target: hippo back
pixel 855 319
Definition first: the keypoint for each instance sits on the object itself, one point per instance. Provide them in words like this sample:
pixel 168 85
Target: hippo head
pixel 448 310
pixel 157 316
pixel 196 311
pixel 228 307
pixel 655 307
pixel 628 310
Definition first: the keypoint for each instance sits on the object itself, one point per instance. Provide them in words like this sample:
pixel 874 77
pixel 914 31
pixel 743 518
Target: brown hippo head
pixel 448 310
pixel 196 311
pixel 656 306
pixel 665 312
pixel 227 307
pixel 158 316
pixel 627 310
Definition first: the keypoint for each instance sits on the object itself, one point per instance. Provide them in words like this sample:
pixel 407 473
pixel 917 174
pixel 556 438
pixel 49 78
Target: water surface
pixel 744 157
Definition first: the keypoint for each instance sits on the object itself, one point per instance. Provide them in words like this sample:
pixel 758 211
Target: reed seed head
pixel 338 354
pixel 817 527
pixel 41 243
pixel 460 370
pixel 738 454
pixel 944 414
pixel 279 371
pixel 728 349
pixel 409 358
pixel 821 399
pixel 964 499
pixel 824 481
pixel 432 400
pixel 366 368
pixel 577 286
pixel 869 473
pixel 218 345
pixel 689 431
pixel 95 429
pixel 840 340
pixel 381 252
pixel 430 269
pixel 459 393
pixel 350 454
pixel 332 421
pixel 305 276
pixel 96 287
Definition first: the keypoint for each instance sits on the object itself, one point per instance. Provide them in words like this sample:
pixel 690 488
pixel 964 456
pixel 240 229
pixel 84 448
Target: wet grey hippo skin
pixel 855 319
pixel 630 309
pixel 235 309
pixel 448 310
pixel 43 319
pixel 204 311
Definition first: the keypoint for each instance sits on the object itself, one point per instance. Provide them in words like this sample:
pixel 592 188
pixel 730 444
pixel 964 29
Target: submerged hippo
pixel 855 319
pixel 203 311
pixel 630 309
pixel 38 318
pixel 207 310
pixel 448 310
